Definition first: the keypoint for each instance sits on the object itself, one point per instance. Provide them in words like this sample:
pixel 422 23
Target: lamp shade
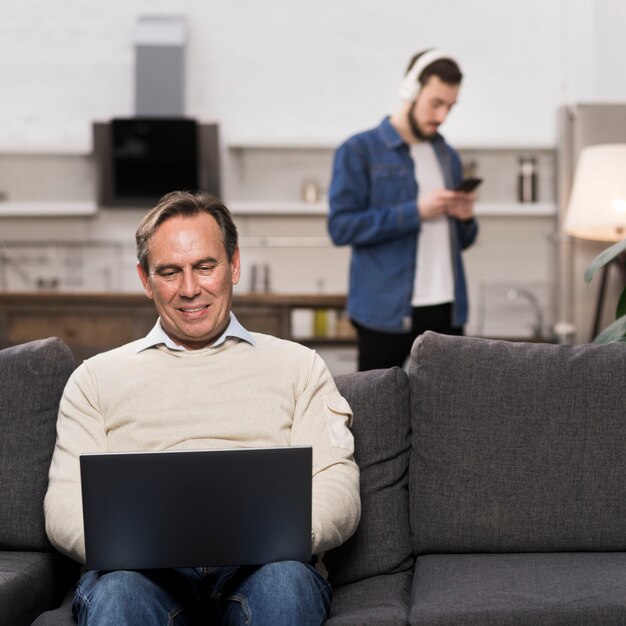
pixel 597 204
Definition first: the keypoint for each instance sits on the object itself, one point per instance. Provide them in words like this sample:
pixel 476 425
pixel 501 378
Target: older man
pixel 227 387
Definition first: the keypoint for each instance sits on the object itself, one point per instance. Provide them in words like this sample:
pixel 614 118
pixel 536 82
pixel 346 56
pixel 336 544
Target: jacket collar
pixel 392 138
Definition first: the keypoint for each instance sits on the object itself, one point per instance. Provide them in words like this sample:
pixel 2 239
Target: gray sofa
pixel 32 577
pixel 493 481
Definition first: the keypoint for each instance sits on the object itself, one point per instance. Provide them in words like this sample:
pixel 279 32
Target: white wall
pixel 311 71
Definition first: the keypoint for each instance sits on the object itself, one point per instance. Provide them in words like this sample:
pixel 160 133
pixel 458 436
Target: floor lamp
pixel 597 206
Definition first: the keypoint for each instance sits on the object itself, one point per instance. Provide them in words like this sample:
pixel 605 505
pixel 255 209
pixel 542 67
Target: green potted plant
pixel 615 332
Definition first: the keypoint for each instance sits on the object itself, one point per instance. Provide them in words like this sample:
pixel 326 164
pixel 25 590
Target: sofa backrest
pixel 32 378
pixel 517 447
pixel 382 437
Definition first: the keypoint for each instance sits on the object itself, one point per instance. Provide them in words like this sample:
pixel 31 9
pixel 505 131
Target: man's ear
pixel 235 266
pixel 145 281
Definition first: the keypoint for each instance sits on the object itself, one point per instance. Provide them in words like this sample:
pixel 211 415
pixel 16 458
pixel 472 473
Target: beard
pixel 420 135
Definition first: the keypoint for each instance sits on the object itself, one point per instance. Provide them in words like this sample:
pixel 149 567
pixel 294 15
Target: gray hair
pixel 186 204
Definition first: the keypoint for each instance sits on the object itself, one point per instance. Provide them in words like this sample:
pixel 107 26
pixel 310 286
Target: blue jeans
pixel 284 593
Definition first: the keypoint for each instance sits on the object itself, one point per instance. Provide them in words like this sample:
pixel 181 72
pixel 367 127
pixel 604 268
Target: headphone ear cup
pixel 408 89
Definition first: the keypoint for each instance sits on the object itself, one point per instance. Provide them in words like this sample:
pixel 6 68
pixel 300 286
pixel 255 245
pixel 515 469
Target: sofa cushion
pixel 381 544
pixel 377 601
pixel 32 380
pixel 28 585
pixel 61 616
pixel 518 447
pixel 564 589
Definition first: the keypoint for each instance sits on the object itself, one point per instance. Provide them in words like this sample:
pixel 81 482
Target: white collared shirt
pixel 158 336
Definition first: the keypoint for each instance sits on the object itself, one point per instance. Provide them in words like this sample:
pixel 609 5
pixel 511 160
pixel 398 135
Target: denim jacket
pixel 373 208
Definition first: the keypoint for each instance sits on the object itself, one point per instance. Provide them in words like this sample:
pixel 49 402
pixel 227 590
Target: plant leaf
pixel 603 258
pixel 614 332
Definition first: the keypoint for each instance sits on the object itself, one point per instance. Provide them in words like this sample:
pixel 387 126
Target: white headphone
pixel 410 85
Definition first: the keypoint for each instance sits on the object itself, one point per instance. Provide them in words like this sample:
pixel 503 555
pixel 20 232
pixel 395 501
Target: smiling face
pixel 190 279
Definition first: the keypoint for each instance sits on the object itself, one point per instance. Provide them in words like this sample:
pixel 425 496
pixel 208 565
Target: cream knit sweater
pixel 235 394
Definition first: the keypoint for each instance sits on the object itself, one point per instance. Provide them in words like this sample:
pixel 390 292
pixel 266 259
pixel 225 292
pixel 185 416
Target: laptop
pixel 193 508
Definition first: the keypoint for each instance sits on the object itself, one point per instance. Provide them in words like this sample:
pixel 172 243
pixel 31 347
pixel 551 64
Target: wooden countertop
pixel 104 299
pixel 91 322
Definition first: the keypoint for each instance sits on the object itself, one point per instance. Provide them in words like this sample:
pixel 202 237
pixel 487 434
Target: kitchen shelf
pixel 279 207
pixel 497 209
pixel 287 145
pixel 261 207
pixel 44 209
pixel 516 209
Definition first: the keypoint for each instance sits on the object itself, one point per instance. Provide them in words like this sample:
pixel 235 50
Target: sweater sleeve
pixel 79 429
pixel 321 420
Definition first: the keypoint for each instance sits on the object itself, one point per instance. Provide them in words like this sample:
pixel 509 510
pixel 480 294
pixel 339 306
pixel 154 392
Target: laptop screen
pixel 195 508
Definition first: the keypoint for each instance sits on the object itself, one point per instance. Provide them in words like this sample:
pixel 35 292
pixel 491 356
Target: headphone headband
pixel 410 85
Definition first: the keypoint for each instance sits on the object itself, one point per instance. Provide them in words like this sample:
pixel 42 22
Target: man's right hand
pixel 446 202
pixel 436 203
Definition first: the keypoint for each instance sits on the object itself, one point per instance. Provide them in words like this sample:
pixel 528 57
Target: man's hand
pixel 463 205
pixel 446 202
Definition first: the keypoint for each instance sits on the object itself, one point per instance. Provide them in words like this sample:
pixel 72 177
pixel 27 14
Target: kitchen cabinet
pixel 93 322
pixel 272 179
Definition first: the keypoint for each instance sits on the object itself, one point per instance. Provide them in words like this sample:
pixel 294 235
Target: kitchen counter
pixel 93 322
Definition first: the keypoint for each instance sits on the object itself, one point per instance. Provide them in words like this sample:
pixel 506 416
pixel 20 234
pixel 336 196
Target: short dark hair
pixel 186 204
pixel 447 70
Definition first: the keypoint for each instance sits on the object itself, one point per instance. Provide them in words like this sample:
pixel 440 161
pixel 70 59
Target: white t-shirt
pixel 434 277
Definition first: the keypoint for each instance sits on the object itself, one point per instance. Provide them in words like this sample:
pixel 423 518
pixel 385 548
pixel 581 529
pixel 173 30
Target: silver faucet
pixel 524 294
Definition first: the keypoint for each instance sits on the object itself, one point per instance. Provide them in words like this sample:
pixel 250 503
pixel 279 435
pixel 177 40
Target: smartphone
pixel 468 184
